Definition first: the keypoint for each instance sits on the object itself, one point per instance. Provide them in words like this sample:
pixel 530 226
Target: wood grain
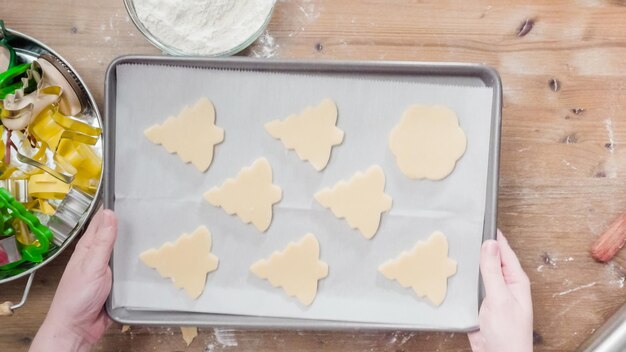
pixel 562 172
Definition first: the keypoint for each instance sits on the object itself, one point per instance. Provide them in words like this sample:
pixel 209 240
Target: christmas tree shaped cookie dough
pixel 426 268
pixel 361 200
pixel 296 269
pixel 250 195
pixel 186 262
pixel 427 142
pixel 191 134
pixel 311 134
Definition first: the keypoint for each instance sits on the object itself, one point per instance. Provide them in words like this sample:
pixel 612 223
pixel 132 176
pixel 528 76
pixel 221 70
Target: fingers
pixel 511 267
pixel 86 241
pixel 514 274
pixel 94 248
pixel 477 341
pixel 102 241
pixel 491 270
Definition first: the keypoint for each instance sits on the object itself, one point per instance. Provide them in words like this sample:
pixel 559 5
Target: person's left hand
pixel 76 319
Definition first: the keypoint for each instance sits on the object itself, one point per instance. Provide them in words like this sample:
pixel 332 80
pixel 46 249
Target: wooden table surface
pixel 562 166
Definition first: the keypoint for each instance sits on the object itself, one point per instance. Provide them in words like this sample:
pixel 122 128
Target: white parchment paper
pixel 158 197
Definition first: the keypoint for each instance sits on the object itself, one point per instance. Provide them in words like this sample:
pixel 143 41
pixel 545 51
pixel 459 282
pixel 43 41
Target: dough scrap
pixel 192 134
pixel 250 195
pixel 427 142
pixel 361 200
pixel 311 134
pixel 186 262
pixel 296 269
pixel 425 268
pixel 189 333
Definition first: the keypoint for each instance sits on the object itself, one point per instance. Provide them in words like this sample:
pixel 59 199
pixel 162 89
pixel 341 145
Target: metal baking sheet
pixel 371 96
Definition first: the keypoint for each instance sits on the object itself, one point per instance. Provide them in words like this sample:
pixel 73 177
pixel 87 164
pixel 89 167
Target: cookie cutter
pixel 68 214
pixel 9 254
pixel 56 73
pixel 18 188
pixel 29 80
pixel 34 163
pixel 20 109
pixel 12 210
pixel 43 82
pixel 8 79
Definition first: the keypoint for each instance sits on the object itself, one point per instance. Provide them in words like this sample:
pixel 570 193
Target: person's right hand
pixel 506 314
pixel 77 320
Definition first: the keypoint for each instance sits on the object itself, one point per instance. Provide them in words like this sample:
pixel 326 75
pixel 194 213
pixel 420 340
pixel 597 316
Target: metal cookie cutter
pixel 56 73
pixel 17 188
pixel 8 251
pixel 68 214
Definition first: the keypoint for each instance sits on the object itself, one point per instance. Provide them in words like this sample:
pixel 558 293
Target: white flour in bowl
pixel 203 27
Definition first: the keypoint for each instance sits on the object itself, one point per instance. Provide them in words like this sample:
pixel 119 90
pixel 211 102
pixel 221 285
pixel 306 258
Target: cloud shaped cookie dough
pixel 427 142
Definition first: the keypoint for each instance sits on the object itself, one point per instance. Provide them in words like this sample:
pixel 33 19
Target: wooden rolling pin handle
pixel 611 241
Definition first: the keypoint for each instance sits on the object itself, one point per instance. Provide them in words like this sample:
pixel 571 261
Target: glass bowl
pixel 168 49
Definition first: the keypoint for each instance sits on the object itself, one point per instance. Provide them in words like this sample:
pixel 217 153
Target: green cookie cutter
pixel 11 209
pixel 10 80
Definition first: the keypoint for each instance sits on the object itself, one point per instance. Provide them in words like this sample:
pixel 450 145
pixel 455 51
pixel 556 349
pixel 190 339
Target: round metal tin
pixel 29 49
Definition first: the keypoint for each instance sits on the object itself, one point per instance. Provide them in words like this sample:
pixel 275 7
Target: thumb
pixel 102 241
pixel 491 270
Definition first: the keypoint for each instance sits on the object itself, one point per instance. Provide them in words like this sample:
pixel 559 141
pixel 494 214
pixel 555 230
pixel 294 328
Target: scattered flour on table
pixel 225 337
pixel 608 124
pixel 265 47
pixel 203 26
pixel 551 261
pixel 567 292
pixel 616 274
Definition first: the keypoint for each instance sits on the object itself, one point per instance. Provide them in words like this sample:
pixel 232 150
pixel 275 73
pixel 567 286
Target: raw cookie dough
pixel 427 142
pixel 189 333
pixel 361 200
pixel 250 195
pixel 426 268
pixel 191 134
pixel 296 269
pixel 311 134
pixel 186 262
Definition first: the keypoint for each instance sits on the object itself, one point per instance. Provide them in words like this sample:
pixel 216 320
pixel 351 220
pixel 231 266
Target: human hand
pixel 506 314
pixel 76 319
